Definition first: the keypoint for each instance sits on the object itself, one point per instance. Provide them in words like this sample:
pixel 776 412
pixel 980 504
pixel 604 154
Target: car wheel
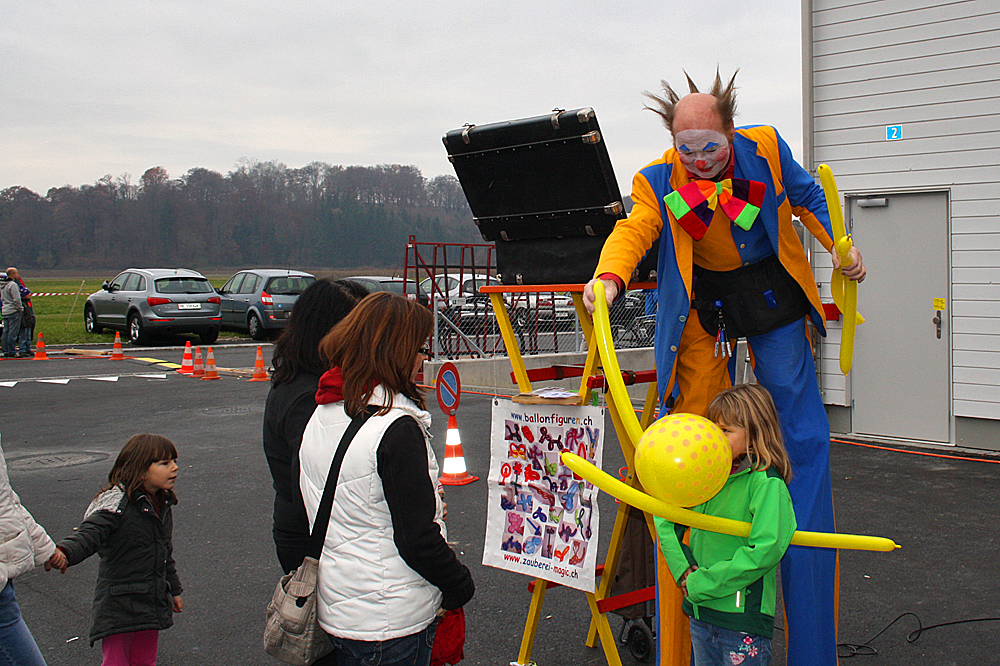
pixel 257 331
pixel 136 332
pixel 520 318
pixel 90 321
pixel 209 336
pixel 640 641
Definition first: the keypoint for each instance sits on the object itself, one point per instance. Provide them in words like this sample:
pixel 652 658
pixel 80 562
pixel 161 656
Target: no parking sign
pixel 448 388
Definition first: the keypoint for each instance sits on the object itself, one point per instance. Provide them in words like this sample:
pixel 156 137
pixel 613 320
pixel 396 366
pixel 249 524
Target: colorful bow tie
pixel 694 204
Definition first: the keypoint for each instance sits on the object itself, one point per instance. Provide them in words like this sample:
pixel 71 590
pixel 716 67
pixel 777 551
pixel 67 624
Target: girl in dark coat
pixel 129 525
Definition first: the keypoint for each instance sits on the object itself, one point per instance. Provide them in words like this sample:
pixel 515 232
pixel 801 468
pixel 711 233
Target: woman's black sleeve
pixel 409 492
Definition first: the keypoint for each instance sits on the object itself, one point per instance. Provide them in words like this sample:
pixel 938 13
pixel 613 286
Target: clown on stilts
pixel 731 265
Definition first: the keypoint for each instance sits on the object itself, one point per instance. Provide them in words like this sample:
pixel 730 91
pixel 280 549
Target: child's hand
pixel 57 561
pixel 178 604
pixel 683 579
pixel 444 505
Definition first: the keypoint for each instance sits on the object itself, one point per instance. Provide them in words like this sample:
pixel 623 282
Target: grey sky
pixel 99 87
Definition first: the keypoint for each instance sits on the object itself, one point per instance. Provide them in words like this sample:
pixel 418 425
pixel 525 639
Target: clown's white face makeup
pixel 705 153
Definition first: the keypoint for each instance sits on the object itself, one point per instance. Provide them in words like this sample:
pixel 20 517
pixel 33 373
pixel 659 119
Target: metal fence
pixel 449 275
pixel 543 323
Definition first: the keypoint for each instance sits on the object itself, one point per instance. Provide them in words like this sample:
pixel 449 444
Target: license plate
pixel 189 306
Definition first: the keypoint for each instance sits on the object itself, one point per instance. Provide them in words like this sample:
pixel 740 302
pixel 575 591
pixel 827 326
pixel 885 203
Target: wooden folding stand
pixel 675 647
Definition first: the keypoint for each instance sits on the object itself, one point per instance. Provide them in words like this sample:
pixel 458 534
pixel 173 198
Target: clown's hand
pixel 856 268
pixel 610 292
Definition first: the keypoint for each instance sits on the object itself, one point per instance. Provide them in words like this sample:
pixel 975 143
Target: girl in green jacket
pixel 728 581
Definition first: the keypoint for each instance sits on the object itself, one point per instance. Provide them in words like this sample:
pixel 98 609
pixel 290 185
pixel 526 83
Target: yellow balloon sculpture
pixel 656 506
pixel 845 292
pixel 683 459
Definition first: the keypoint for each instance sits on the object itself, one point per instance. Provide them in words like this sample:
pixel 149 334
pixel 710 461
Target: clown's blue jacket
pixel 761 155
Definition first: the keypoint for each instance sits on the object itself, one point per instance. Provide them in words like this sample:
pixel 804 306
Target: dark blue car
pixel 260 300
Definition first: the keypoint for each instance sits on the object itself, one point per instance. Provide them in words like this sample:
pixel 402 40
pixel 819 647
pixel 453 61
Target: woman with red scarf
pixel 387 572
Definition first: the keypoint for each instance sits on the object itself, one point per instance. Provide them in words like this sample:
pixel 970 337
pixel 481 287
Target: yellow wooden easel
pixel 674 641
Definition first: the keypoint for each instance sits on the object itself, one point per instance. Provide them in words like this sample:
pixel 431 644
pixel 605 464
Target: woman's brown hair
pixel 377 343
pixel 141 451
pixel 750 406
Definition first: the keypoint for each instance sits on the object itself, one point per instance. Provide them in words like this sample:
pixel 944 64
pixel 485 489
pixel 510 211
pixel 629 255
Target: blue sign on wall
pixel 893 132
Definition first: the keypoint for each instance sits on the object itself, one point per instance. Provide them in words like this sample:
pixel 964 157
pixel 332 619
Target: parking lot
pixel 65 419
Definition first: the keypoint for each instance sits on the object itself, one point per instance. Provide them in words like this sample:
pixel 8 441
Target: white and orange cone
pixel 116 351
pixel 454 472
pixel 259 370
pixel 210 371
pixel 187 363
pixel 40 354
pixel 199 367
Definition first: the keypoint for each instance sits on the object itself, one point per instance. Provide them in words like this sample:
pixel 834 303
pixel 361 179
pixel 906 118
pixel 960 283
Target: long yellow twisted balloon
pixel 845 292
pixel 612 371
pixel 702 521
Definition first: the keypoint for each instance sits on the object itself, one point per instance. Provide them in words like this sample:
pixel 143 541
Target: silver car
pixel 259 301
pixel 394 285
pixel 143 302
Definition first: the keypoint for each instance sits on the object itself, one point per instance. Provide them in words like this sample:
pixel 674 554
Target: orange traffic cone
pixel 40 354
pixel 116 351
pixel 259 371
pixel 187 363
pixel 210 371
pixel 199 368
pixel 455 473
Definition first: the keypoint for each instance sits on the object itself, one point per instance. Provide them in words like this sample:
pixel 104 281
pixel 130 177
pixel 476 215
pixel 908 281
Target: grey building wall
pixel 934 68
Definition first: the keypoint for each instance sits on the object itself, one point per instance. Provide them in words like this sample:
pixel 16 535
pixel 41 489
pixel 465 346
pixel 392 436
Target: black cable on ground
pixel 866 649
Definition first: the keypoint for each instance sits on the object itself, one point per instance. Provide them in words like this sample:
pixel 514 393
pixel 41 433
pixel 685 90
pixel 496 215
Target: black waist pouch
pixel 752 300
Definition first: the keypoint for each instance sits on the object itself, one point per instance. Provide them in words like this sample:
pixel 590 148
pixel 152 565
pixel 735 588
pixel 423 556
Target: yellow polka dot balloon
pixel 683 459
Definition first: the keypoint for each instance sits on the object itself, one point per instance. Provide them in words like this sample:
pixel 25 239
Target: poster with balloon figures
pixel 542 519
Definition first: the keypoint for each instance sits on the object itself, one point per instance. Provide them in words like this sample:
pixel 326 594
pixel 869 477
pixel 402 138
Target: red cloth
pixel 617 280
pixel 331 387
pixel 449 640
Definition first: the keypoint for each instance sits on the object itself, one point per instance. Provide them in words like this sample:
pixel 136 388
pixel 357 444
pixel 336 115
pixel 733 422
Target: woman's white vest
pixel 23 542
pixel 366 591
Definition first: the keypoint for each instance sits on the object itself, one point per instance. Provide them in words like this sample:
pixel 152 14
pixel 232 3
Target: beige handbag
pixel 292 632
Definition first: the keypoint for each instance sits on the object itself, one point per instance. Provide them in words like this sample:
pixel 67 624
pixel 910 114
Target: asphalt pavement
pixel 65 419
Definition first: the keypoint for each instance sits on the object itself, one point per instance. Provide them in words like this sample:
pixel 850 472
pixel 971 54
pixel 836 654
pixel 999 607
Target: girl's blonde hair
pixel 141 451
pixel 751 407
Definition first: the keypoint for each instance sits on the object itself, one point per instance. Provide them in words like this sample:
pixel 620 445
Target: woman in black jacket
pixel 297 366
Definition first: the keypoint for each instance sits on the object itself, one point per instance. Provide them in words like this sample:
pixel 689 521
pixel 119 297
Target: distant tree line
pixel 260 213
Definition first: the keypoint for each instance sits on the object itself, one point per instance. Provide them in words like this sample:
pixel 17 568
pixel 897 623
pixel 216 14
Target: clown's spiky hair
pixel 725 100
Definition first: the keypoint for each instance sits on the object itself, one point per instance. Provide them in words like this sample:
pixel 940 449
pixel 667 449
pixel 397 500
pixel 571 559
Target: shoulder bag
pixel 292 633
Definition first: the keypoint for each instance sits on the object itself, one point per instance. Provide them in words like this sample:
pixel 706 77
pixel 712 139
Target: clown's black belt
pixel 750 300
